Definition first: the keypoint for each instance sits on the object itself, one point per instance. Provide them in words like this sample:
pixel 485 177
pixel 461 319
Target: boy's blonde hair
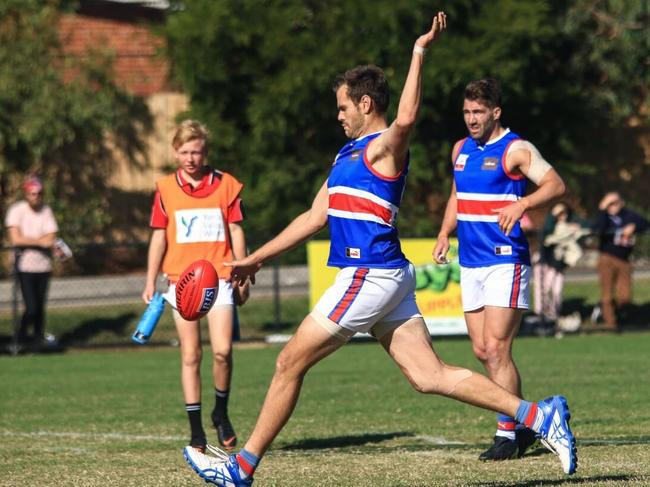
pixel 189 130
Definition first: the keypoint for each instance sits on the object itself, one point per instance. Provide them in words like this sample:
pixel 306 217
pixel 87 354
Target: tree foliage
pixel 611 53
pixel 609 63
pixel 259 74
pixel 55 129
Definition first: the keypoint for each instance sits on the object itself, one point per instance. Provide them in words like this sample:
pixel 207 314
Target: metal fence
pixel 101 277
pixel 98 278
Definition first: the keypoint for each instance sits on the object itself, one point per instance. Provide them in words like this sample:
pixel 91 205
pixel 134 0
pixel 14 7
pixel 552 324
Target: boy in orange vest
pixel 196 214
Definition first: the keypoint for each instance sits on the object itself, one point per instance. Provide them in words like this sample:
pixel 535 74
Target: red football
pixel 196 290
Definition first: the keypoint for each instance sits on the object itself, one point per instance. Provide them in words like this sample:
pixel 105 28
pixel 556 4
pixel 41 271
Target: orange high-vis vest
pixel 197 227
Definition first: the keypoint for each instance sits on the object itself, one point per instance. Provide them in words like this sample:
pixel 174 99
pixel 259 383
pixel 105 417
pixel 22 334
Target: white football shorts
pixel 365 300
pixel 224 294
pixel 502 285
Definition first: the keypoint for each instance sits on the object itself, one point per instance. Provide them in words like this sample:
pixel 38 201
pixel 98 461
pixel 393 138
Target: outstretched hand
pixel 243 270
pixel 438 25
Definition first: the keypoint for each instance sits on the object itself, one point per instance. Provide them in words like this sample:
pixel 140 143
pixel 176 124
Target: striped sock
pixel 247 463
pixel 529 414
pixel 506 426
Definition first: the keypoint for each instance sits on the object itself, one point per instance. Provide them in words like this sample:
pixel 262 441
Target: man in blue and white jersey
pixel 375 289
pixel 488 198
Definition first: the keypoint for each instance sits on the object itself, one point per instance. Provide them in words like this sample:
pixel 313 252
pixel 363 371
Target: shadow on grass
pixel 632 316
pixel 577 304
pixel 273 327
pixel 636 316
pixel 8 347
pixel 344 441
pixel 88 329
pixel 596 479
pixel 537 450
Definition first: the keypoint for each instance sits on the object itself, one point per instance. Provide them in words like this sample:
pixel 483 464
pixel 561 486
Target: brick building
pixel 126 29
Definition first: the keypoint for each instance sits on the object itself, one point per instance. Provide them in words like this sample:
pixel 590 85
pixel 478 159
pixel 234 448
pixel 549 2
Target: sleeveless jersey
pixel 197 227
pixel 362 211
pixel 483 184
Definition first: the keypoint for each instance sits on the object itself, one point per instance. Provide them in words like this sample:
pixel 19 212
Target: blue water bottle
pixel 149 320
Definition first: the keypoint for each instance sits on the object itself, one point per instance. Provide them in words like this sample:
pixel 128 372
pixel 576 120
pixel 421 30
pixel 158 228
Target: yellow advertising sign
pixel 437 286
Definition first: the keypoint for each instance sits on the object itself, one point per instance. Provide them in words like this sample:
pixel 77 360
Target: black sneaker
pixel 525 438
pixel 501 449
pixel 225 432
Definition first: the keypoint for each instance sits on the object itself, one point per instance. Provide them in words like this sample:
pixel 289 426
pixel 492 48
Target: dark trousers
pixel 33 286
pixel 615 285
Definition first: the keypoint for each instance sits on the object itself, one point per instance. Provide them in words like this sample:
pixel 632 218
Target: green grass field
pixel 115 417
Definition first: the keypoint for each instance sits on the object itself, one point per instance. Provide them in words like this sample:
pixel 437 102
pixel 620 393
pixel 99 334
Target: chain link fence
pixel 94 298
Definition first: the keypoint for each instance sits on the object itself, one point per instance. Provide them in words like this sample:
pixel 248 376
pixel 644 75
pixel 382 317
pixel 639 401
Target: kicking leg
pixel 311 343
pixel 308 346
pixel 410 346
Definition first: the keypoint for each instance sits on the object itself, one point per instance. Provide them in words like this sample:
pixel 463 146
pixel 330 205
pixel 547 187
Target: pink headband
pixel 32 184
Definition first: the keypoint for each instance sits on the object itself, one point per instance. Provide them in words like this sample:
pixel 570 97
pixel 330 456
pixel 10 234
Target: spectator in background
pixel 616 226
pixel 559 248
pixel 32 229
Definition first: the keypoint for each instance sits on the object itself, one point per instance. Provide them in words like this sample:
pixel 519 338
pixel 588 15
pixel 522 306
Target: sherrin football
pixel 196 290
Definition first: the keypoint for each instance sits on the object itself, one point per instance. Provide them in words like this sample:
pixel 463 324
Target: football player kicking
pixel 374 291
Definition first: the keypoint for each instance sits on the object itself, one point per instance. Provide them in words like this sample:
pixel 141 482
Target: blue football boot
pixel 222 470
pixel 555 432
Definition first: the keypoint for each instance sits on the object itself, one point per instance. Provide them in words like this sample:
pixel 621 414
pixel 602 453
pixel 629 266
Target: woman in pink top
pixel 31 228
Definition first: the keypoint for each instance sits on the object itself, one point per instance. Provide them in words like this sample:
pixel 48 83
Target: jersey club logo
pixel 352 253
pixel 461 160
pixel 490 164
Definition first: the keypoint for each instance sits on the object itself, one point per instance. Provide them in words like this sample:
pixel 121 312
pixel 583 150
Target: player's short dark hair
pixel 486 90
pixel 365 80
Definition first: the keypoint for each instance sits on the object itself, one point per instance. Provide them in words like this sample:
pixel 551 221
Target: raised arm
pixel 387 153
pixel 300 229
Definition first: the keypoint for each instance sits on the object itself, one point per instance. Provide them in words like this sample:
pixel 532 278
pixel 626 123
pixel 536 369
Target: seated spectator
pixel 617 227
